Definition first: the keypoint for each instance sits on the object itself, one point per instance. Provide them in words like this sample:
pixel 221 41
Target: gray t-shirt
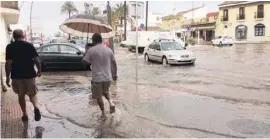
pixel 101 58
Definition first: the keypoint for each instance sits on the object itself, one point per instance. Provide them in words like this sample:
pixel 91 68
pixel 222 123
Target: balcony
pixel 224 19
pixel 10 11
pixel 240 17
pixel 10 5
pixel 258 15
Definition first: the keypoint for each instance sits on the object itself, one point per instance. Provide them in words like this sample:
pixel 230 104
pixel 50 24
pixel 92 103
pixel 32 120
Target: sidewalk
pixel 11 124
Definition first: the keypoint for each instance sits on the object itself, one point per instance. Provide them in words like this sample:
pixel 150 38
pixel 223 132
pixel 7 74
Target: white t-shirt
pixel 101 58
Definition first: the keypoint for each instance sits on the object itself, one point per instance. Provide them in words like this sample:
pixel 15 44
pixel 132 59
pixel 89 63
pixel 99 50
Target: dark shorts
pixel 99 89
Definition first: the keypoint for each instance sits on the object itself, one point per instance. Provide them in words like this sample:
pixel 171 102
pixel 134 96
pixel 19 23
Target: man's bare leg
pixel 112 106
pixel 101 106
pixel 22 104
pixel 34 101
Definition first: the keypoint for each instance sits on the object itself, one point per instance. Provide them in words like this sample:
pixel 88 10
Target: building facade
pixel 201 29
pixel 244 21
pixel 173 22
pixel 9 15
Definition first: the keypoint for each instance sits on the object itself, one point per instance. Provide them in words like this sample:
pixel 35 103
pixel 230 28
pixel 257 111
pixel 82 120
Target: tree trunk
pixel 146 21
pixel 125 20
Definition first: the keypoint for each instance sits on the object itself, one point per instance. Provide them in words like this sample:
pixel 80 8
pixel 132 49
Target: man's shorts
pixel 99 89
pixel 24 86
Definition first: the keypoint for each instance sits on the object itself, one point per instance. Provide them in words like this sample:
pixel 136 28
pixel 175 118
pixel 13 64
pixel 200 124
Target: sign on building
pixel 132 9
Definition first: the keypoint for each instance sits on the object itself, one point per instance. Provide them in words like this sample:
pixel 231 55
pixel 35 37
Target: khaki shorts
pixel 24 86
pixel 99 89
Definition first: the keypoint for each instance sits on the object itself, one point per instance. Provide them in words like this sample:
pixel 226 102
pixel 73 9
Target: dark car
pixel 61 56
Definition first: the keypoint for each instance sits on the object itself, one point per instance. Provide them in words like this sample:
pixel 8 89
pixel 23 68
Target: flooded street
pixel 225 94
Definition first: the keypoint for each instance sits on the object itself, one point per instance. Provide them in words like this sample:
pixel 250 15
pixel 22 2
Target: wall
pixel 172 24
pixel 249 21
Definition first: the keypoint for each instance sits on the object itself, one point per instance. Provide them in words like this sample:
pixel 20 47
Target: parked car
pixel 168 51
pixel 61 55
pixel 37 43
pixel 222 40
pixel 123 43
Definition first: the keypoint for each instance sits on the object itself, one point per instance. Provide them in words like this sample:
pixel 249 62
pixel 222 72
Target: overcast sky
pixel 46 14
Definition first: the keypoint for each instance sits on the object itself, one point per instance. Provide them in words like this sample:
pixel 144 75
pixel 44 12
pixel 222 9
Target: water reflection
pixel 39 131
pixel 25 129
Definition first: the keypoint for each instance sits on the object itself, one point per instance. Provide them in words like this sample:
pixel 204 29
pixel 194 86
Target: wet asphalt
pixel 225 94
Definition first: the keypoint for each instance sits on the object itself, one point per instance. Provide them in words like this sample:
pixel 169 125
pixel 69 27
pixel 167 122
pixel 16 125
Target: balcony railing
pixel 10 4
pixel 259 15
pixel 224 18
pixel 240 17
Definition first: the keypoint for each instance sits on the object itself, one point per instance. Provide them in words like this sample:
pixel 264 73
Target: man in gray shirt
pixel 104 70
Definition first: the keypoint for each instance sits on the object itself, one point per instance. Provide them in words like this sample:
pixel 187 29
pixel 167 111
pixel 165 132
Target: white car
pixel 168 51
pixel 222 40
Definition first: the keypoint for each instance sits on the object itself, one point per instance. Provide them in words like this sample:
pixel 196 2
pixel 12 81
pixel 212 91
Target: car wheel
pixel 164 61
pixel 146 58
pixel 220 43
pixel 231 44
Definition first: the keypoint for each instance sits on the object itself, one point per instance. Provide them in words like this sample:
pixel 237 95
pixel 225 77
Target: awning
pixel 204 28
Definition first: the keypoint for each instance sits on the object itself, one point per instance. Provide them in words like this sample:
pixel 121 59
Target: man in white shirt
pixel 104 70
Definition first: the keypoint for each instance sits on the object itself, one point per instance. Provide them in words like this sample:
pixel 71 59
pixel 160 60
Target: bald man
pixel 21 56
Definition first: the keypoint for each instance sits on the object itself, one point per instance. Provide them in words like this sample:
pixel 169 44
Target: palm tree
pixel 68 8
pixel 95 11
pixel 118 14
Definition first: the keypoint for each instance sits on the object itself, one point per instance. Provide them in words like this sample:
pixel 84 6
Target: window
pixel 225 15
pixel 259 30
pixel 260 11
pixel 50 49
pixel 152 45
pixel 157 46
pixel 166 46
pixel 65 49
pixel 241 13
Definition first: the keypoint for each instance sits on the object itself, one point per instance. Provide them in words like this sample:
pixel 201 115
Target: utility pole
pixel 31 32
pixel 125 20
pixel 109 15
pixel 146 20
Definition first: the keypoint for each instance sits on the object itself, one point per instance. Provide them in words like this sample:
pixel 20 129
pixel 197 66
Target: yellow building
pixel 174 21
pixel 244 21
pixel 171 22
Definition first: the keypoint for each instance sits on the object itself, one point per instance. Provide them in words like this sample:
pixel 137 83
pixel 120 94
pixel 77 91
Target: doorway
pixel 241 32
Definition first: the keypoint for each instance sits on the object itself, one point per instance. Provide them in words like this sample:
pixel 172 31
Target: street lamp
pixel 31 32
pixel 109 15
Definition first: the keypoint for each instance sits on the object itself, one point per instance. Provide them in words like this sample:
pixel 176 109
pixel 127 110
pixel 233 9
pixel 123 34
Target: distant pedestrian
pixel 104 70
pixel 4 89
pixel 21 56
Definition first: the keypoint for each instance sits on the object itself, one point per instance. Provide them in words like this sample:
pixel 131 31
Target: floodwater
pixel 225 94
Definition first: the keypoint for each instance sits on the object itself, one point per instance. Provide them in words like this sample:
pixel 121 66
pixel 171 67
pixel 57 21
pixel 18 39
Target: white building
pixel 9 15
pixel 199 12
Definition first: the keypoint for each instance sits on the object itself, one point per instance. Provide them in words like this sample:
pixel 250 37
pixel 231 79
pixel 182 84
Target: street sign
pixel 141 25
